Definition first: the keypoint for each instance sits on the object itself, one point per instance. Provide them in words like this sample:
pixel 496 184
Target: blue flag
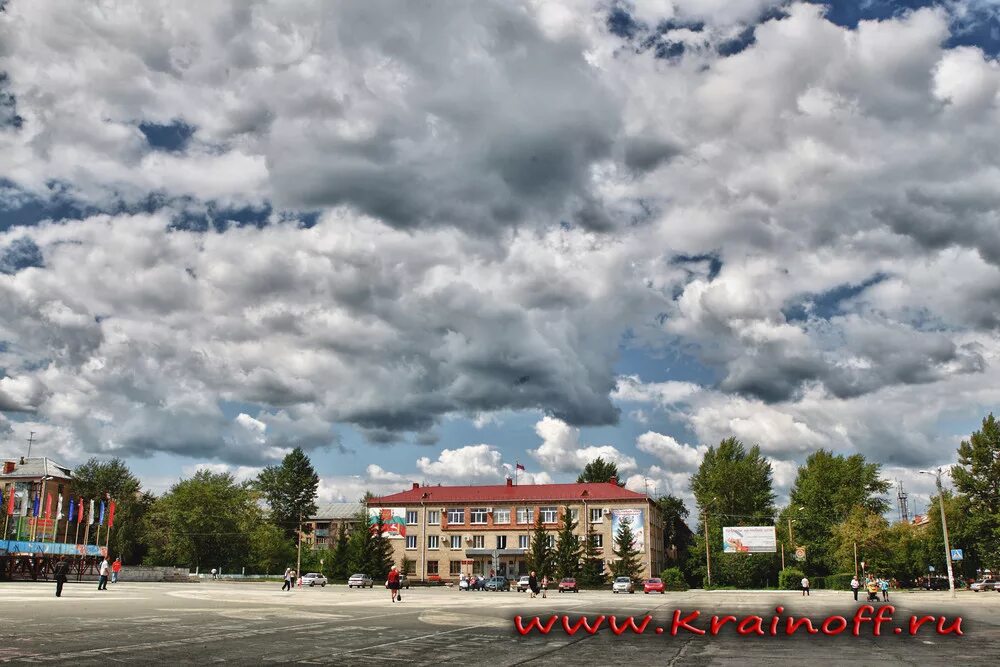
pixel 72 510
pixel 36 507
pixel 100 522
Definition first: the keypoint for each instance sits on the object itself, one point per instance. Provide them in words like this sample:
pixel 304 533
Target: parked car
pixel 936 584
pixel 522 583
pixel 404 581
pixel 623 585
pixel 313 579
pixel 653 585
pixel 568 584
pixel 360 581
pixel 984 585
pixel 497 584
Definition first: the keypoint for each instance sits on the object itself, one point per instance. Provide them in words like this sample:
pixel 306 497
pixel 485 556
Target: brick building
pixel 30 478
pixel 446 531
pixel 326 524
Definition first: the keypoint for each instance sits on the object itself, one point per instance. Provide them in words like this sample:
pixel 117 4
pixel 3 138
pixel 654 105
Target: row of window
pixel 524 515
pixel 479 541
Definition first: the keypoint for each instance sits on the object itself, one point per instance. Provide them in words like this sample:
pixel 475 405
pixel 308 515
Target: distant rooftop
pixel 585 491
pixel 34 467
pixel 335 511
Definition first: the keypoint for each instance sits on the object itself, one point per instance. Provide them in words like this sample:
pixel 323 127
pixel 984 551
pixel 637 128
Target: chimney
pixel 510 482
pixel 8 467
pixel 416 485
pixel 613 480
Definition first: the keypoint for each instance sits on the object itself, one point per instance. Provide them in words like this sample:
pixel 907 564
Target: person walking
pixel 61 572
pixel 116 567
pixel 883 584
pixel 104 570
pixel 292 574
pixel 215 573
pixel 533 583
pixel 805 586
pixel 287 586
pixel 545 585
pixel 855 586
pixel 393 584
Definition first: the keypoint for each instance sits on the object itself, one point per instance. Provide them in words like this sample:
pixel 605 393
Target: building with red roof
pixel 445 532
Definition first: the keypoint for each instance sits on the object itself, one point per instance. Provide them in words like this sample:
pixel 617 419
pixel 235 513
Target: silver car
pixel 622 585
pixel 313 579
pixel 984 585
pixel 360 581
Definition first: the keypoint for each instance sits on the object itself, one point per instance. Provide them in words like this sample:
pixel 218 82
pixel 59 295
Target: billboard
pixel 393 520
pixel 749 539
pixel 637 523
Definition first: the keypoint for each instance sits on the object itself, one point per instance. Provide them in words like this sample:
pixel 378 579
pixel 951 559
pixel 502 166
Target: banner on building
pixel 393 520
pixel 636 522
pixel 749 539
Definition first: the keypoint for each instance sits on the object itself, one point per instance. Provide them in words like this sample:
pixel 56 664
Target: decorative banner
pixel 636 522
pixel 749 539
pixel 111 514
pixel 59 508
pixel 393 520
pixel 72 508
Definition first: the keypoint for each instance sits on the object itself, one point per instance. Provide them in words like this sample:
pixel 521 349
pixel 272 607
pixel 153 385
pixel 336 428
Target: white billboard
pixel 749 539
pixel 636 519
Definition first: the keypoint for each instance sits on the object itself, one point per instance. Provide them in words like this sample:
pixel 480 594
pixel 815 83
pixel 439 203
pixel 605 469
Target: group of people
pixel 874 585
pixel 537 587
pixel 289 579
pixel 106 570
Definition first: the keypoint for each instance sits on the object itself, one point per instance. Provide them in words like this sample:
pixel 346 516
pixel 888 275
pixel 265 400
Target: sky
pixel 428 241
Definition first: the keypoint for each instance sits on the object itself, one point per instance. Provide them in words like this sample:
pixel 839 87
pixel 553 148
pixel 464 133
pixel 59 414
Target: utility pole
pixel 791 537
pixel 31 438
pixel 944 528
pixel 298 562
pixel 708 555
pixel 855 560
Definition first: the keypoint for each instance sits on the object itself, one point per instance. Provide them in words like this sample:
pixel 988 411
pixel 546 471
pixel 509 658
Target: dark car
pixel 936 584
pixel 568 585
pixel 497 584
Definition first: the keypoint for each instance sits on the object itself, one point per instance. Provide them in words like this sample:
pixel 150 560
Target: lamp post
pixel 298 561
pixel 944 529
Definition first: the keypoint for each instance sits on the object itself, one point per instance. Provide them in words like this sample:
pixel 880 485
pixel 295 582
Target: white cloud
pixel 561 450
pixel 674 455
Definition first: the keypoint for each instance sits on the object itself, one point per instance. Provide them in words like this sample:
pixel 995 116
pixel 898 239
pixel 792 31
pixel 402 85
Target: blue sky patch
pixel 20 254
pixel 828 304
pixel 172 138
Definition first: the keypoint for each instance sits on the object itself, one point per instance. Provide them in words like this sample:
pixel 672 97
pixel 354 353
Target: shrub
pixel 673 579
pixel 840 581
pixel 790 579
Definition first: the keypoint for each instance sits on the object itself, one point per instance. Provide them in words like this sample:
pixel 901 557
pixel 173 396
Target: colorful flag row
pixel 98 510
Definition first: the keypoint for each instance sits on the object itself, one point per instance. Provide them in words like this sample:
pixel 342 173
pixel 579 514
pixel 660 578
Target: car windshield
pixel 653 581
pixel 357 576
pixel 569 580
pixel 313 574
pixel 622 580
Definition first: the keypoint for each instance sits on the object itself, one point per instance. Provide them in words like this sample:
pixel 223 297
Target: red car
pixel 653 585
pixel 568 584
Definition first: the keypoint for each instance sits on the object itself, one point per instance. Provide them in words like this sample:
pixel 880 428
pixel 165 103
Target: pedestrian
pixel 855 585
pixel 545 585
pixel 215 573
pixel 884 585
pixel 61 570
pixel 392 583
pixel 116 567
pixel 805 586
pixel 292 574
pixel 287 586
pixel 533 583
pixel 104 570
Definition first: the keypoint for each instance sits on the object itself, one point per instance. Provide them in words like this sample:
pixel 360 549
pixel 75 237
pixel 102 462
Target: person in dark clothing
pixel 533 583
pixel 61 572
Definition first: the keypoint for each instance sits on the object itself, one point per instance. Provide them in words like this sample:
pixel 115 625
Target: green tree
pixel 382 558
pixel 870 532
pixel 677 537
pixel 94 479
pixel 600 470
pixel 290 491
pixel 826 490
pixel 340 560
pixel 361 546
pixel 539 557
pixel 963 529
pixel 568 550
pixel 592 567
pixel 270 551
pixel 977 476
pixel 732 486
pixel 628 563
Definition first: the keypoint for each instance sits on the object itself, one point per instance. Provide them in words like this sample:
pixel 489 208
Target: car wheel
pixel 632 592
pixel 662 592
pixel 323 585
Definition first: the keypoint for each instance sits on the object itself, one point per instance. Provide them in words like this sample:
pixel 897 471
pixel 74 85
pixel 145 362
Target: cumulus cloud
pixel 561 450
pixel 674 455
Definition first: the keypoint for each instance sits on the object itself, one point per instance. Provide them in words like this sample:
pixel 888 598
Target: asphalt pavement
pixel 253 623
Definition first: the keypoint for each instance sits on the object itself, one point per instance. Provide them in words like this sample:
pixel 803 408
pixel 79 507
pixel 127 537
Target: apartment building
pixel 443 532
pixel 326 523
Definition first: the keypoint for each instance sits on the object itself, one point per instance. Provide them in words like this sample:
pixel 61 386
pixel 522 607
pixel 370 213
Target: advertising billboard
pixel 749 539
pixel 393 521
pixel 637 523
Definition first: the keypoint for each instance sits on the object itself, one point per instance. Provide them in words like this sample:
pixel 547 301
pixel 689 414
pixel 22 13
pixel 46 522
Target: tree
pixel 270 551
pixel 977 476
pixel 827 489
pixel 870 531
pixel 592 567
pixel 340 560
pixel 539 557
pixel 599 470
pixel 94 479
pixel 628 563
pixel 361 546
pixel 382 559
pixel 290 491
pixel 733 487
pixel 568 551
pixel 677 537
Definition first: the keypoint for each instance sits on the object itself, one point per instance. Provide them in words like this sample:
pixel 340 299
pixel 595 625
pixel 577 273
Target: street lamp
pixel 944 528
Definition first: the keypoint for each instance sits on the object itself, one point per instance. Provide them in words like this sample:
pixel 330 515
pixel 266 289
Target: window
pixel 574 515
pixel 478 541
pixel 501 516
pixel 456 516
pixel 455 568
pixel 432 541
pixel 411 541
pixel 411 517
pixel 522 541
pixel 432 567
pixel 411 567
pixel 501 541
pixel 434 517
pixel 456 541
pixel 598 541
pixel 596 515
pixel 525 515
pixel 477 515
pixel 550 541
pixel 549 514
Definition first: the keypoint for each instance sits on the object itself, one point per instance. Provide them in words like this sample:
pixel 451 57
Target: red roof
pixel 588 491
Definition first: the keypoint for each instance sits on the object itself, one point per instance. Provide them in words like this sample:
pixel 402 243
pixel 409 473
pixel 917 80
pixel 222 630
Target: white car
pixel 360 581
pixel 622 585
pixel 983 585
pixel 313 579
pixel 522 583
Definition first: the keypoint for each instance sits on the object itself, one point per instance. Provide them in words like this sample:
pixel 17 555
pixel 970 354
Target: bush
pixel 790 579
pixel 673 579
pixel 840 581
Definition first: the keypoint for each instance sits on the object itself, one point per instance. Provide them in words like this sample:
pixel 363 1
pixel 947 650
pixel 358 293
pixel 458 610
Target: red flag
pixel 48 505
pixel 10 501
pixel 79 518
pixel 111 514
